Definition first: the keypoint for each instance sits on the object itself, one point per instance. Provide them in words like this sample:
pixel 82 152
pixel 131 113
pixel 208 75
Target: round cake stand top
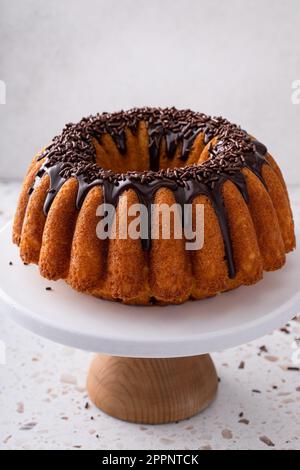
pixel 196 327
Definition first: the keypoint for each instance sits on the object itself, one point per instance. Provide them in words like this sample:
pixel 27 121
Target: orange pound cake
pixel 154 156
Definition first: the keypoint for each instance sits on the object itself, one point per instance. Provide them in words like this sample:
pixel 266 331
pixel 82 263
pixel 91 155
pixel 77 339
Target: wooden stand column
pixel 152 391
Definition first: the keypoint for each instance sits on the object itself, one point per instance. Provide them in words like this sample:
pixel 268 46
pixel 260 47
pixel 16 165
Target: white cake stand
pixel 152 364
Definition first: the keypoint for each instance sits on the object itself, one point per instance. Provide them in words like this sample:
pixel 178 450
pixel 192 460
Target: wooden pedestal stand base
pixel 152 391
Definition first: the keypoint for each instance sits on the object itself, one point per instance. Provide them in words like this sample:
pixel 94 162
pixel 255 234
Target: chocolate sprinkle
pixel 244 421
pixel 73 154
pixel 285 330
pixel 266 440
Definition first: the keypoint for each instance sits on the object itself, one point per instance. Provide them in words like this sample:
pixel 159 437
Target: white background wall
pixel 63 59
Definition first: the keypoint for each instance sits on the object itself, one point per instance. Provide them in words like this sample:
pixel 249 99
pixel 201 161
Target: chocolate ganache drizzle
pixel 73 154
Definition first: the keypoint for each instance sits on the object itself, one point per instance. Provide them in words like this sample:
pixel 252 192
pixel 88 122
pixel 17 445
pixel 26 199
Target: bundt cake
pixel 161 156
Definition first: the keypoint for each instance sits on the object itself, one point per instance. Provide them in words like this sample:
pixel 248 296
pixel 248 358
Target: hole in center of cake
pixel 137 156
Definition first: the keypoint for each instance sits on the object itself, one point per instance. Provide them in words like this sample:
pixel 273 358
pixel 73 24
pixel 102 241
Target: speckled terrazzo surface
pixel 44 404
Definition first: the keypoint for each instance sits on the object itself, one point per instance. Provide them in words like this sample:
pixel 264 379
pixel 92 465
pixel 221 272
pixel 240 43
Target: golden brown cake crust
pixel 162 156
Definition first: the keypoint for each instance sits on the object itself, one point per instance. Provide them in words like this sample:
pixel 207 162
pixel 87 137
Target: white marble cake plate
pixel 192 329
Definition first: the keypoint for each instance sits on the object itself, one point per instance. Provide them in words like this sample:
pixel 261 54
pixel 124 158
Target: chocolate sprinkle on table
pixel 244 421
pixel 266 440
pixel 285 330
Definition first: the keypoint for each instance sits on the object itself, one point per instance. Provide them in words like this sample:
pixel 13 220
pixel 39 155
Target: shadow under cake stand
pixel 153 363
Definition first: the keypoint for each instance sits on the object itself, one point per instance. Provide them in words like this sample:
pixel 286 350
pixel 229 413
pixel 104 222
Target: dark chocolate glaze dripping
pixel 56 182
pixel 155 134
pixel 112 192
pixel 72 154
